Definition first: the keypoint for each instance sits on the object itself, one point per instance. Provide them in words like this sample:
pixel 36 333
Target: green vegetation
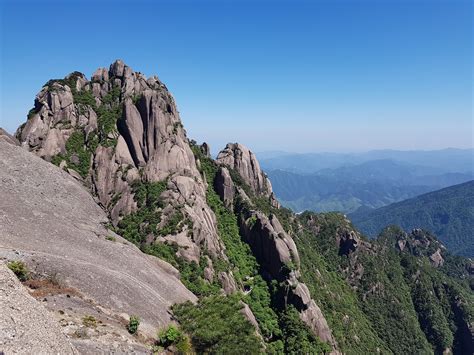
pixel 173 224
pixel 89 321
pixel 442 297
pixel 20 269
pixel 354 332
pixel 108 114
pixel 448 213
pixel 112 239
pixel 191 273
pixel 77 155
pixel 136 226
pixel 173 336
pixel 83 97
pixel 31 113
pixel 297 339
pixel 398 301
pixel 263 299
pixel 133 324
pixel 217 326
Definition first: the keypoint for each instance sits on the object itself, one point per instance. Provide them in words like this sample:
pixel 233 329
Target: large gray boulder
pixel 52 222
pixel 26 326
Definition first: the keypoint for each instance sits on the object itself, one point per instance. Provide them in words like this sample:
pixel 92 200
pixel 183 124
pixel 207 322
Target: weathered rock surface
pixel 310 313
pixel 436 259
pixel 271 245
pixel 26 327
pixel 53 223
pixel 242 160
pixel 224 186
pixel 133 133
pixel 4 136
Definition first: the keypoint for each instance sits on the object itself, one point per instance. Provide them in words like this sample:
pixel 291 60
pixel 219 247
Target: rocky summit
pixel 135 240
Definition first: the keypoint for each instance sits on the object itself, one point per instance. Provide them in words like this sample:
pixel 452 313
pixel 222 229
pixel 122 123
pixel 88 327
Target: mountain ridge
pixel 447 212
pixel 263 278
pixel 371 184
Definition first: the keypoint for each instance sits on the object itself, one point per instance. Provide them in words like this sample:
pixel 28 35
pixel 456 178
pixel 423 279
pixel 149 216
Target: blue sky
pixel 275 75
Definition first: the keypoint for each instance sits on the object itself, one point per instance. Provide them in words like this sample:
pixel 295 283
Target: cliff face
pixel 116 131
pixel 120 134
pixel 272 246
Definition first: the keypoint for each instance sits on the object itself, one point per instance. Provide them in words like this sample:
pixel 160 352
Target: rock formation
pixel 273 247
pixel 118 129
pixel 53 224
pixel 239 158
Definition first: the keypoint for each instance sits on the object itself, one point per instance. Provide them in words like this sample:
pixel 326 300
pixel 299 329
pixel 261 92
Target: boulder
pixel 62 232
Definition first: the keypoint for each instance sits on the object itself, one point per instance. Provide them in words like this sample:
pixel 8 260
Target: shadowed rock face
pixel 271 245
pixel 139 138
pixel 54 224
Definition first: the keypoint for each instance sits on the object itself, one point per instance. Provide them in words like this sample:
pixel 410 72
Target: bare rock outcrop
pixel 272 246
pixel 6 137
pixel 242 160
pixel 224 186
pixel 436 258
pixel 116 130
pixel 54 224
pixel 310 313
pixel 26 326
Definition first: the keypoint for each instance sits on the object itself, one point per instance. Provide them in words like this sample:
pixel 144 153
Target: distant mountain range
pixel 449 213
pixel 371 184
pixel 445 160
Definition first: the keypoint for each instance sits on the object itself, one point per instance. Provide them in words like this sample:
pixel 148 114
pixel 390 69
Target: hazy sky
pixel 275 75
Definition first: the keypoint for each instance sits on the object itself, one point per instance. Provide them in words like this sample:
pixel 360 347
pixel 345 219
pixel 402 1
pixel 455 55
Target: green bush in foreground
pixel 173 336
pixel 216 325
pixel 133 324
pixel 19 269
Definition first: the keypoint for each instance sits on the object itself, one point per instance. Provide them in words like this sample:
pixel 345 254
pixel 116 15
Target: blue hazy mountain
pixel 446 160
pixel 372 184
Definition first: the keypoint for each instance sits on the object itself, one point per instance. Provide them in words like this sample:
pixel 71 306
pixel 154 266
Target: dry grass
pixel 49 286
